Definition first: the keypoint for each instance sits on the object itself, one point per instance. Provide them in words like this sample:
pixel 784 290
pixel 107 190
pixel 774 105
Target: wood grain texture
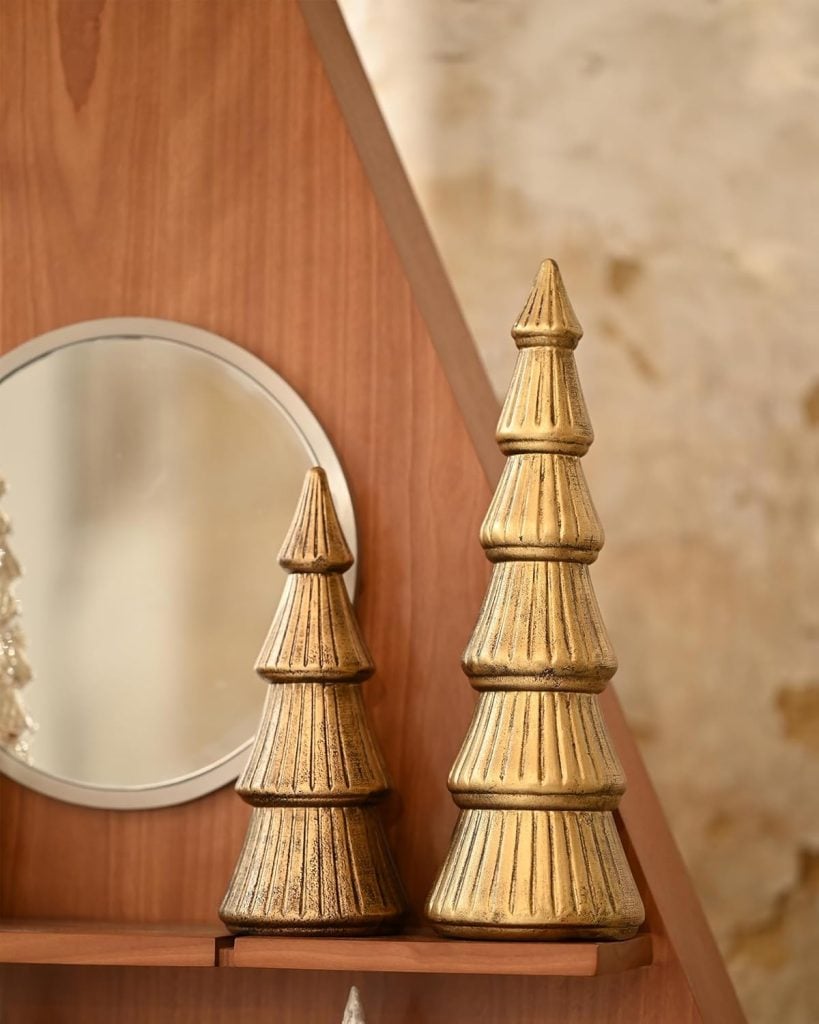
pixel 420 259
pixel 60 943
pixel 208 177
pixel 65 995
pixel 189 160
pixel 84 943
pixel 426 955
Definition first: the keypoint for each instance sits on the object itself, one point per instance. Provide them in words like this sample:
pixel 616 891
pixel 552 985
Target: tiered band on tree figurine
pixel 315 859
pixel 16 724
pixel 535 853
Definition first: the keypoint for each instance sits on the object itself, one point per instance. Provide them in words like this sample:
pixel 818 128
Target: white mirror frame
pixel 219 773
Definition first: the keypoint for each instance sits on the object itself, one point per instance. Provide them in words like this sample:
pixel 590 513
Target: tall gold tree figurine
pixel 315 858
pixel 16 723
pixel 535 853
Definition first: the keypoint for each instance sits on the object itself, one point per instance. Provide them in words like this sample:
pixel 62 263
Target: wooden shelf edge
pixel 113 945
pixel 103 944
pixel 422 954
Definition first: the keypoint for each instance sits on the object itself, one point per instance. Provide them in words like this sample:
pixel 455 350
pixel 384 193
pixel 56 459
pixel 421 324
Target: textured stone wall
pixel 668 157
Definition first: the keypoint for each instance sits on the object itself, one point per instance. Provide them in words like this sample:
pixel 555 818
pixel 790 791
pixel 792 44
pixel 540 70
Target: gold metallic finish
pixel 536 854
pixel 540 620
pixel 313 871
pixel 315 860
pixel 531 750
pixel 542 509
pixel 544 409
pixel 548 317
pixel 341 764
pixel 315 541
pixel 520 874
pixel 314 633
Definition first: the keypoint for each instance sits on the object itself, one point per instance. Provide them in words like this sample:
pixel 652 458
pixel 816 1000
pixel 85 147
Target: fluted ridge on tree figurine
pixel 542 509
pixel 342 764
pixel 536 853
pixel 315 858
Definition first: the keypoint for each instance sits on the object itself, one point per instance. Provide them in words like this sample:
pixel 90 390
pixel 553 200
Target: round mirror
pixel 151 472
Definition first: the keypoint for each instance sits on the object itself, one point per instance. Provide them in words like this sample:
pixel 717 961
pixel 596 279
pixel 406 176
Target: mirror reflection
pixel 148 487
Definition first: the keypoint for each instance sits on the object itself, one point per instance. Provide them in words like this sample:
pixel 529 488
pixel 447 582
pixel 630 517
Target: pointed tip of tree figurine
pixel 315 541
pixel 314 633
pixel 547 317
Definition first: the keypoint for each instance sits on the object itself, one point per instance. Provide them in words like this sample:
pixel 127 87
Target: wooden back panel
pixel 189 160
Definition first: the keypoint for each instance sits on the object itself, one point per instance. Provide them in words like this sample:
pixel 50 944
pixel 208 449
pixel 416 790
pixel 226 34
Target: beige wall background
pixel 668 157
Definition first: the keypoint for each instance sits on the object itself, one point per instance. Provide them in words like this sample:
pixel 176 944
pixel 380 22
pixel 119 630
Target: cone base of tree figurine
pixel 314 871
pixel 517 874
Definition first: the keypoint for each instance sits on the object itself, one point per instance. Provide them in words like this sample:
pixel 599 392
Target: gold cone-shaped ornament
pixel 315 860
pixel 535 853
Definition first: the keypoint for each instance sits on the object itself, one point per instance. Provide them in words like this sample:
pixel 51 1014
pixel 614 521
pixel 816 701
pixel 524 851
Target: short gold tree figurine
pixel 536 854
pixel 315 858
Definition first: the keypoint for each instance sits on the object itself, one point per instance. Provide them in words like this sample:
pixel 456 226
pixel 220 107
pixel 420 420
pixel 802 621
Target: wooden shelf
pixel 70 942
pixel 93 943
pixel 424 954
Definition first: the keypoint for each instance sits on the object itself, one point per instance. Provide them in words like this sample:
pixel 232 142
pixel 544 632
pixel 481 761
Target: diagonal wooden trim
pixel 671 891
pixel 669 883
pixel 429 280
